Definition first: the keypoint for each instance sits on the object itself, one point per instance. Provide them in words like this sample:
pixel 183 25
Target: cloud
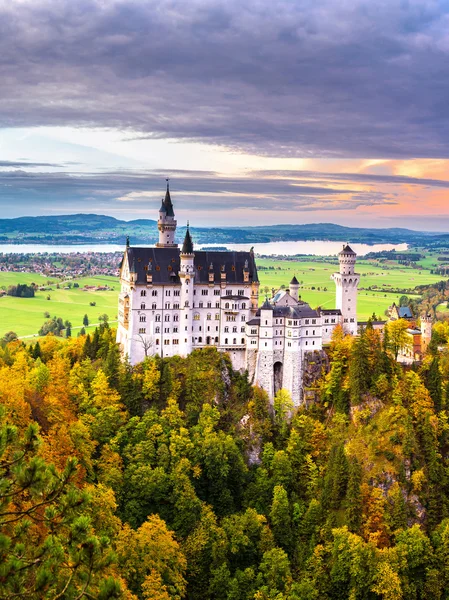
pixel 202 192
pixel 17 163
pixel 279 78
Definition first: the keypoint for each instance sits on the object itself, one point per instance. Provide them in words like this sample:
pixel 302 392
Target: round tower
pixel 426 332
pixel 166 223
pixel 294 288
pixel 187 277
pixel 347 282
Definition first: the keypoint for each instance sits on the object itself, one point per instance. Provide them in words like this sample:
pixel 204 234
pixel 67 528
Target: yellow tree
pixel 398 338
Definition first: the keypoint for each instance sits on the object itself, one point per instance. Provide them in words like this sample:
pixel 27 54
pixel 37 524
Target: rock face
pixel 315 365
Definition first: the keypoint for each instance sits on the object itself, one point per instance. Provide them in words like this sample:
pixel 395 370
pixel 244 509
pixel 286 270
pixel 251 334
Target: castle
pixel 173 301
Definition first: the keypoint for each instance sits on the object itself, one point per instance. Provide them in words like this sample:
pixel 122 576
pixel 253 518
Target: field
pixel 26 315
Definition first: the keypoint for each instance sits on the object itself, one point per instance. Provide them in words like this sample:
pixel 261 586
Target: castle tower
pixel 346 282
pixel 265 359
pixel 294 288
pixel 166 223
pixel 187 277
pixel 426 332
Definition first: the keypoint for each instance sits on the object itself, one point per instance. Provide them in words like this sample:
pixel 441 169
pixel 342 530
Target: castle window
pixel 313 332
pixel 157 330
pixel 307 321
pixel 143 292
pixel 167 318
pixel 243 318
pixel 227 305
pixel 253 331
pixel 241 293
pixel 307 332
pixel 166 342
pixel 351 320
pixel 157 318
pixel 313 321
pixel 204 292
pixel 153 293
pixel 209 305
pixel 154 306
pixel 234 341
pixel 167 292
pixel 216 340
pixel 200 305
pixel 234 330
pixel 142 307
pixel 176 318
pixel 228 292
pixel 142 318
pixel 167 305
pixel 226 329
pixel 346 320
pixel 142 330
pixel 217 305
pixel 307 343
pixel 176 305
pixel 216 292
pixel 217 317
pixel 200 340
pixel 175 330
pixel 242 329
pixel 167 330
pixel 209 317
pixel 243 305
pixel 290 323
pixel 176 292
pixel 186 304
pixel 196 317
pixel 332 320
pixel 243 340
pixel 175 342
pixel 266 344
pixel 226 340
pixel 326 321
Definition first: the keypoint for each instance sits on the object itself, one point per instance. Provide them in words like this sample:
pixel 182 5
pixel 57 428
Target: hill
pixel 92 228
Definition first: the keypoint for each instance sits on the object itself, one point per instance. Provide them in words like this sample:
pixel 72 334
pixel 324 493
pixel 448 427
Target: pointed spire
pixel 168 203
pixel 162 208
pixel 133 266
pixel 187 247
pixel 127 241
pixel 294 281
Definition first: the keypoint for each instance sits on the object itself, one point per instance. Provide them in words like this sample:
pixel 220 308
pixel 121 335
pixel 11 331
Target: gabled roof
pixel 405 312
pixel 300 311
pixel 266 305
pixel 164 265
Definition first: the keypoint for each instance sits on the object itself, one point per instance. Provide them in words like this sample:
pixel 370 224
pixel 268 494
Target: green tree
pixel 85 320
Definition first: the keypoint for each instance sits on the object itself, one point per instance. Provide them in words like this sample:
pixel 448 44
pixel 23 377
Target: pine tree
pixel 434 383
pixel 354 496
pixel 359 371
pixel 85 320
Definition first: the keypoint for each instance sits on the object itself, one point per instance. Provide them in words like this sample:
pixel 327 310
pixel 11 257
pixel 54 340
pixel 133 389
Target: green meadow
pixel 26 315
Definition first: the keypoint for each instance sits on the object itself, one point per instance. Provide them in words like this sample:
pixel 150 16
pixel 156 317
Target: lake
pixel 313 248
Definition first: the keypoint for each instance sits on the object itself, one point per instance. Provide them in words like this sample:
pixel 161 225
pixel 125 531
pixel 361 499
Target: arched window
pixel 216 340
pixel 209 316
pixel 226 340
pixel 234 341
pixel 217 317
pixel 226 329
pixel 243 340
pixel 176 318
pixel 200 340
pixel 142 306
pixel 157 330
pixel 243 305
pixel 234 330
pixel 242 329
pixel 227 305
pixel 167 318
pixel 153 306
pixel 157 341
pixel 142 318
pixel 196 317
pixel 153 293
pixel 143 292
pixel 157 318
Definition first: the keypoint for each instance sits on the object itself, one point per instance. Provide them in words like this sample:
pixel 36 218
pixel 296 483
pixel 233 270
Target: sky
pixel 260 112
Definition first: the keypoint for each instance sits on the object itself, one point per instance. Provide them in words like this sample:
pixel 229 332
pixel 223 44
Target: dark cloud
pixel 202 192
pixel 10 164
pixel 302 78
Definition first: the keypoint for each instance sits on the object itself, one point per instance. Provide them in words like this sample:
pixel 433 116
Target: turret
pixel 426 332
pixel 166 222
pixel 294 288
pixel 346 282
pixel 187 277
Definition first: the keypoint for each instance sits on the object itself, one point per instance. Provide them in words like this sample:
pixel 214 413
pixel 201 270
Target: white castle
pixel 173 301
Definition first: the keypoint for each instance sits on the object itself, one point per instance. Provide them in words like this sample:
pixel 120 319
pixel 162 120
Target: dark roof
pixel 405 312
pixel 168 203
pixel 294 281
pixel 162 208
pixel 164 265
pixel 372 322
pixel 255 321
pixel 347 250
pixel 299 311
pixel 330 311
pixel 187 247
pixel 266 305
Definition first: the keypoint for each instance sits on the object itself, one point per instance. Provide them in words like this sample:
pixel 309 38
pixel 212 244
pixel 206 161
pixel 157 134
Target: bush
pixel 21 291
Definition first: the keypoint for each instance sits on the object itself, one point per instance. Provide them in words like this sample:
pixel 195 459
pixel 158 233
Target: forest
pixel 177 479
